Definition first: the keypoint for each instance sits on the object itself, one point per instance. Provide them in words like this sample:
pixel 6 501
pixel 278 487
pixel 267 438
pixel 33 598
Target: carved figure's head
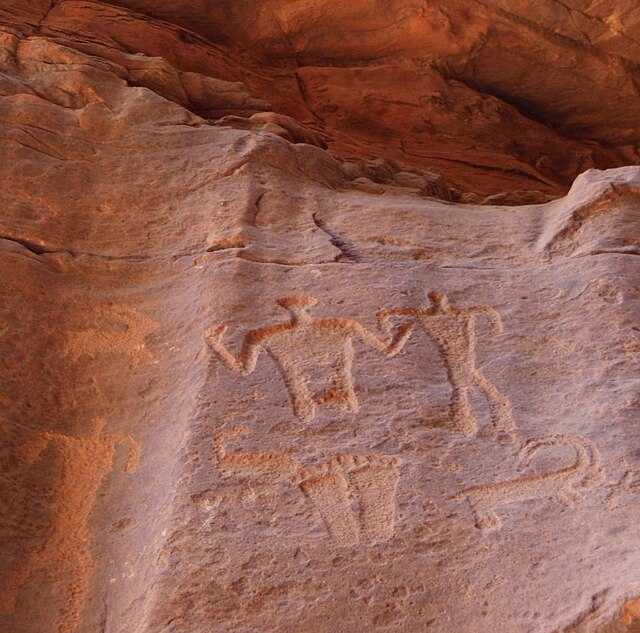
pixel 438 299
pixel 297 304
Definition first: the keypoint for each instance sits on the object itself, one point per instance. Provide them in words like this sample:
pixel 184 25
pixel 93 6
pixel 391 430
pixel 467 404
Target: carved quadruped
pixel 112 328
pixel 563 483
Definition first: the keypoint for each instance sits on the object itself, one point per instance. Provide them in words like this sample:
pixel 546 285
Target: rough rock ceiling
pixel 496 96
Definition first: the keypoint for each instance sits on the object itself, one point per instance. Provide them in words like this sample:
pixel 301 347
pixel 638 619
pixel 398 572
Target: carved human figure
pixel 367 481
pixel 562 483
pixel 64 554
pixel 305 347
pixel 454 330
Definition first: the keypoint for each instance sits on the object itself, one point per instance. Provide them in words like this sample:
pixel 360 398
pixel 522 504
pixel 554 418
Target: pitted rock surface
pixel 319 317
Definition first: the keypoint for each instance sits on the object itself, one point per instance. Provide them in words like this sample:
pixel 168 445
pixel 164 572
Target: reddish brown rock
pixel 319 316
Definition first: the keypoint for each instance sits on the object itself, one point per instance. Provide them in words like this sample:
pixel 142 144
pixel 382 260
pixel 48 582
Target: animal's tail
pixel 587 458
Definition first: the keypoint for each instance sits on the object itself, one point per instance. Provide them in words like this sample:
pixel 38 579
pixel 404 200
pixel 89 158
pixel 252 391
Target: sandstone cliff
pixel 319 316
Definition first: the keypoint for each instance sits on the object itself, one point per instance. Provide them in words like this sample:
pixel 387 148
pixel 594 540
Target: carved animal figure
pixel 561 484
pixel 454 330
pixel 109 329
pixel 303 345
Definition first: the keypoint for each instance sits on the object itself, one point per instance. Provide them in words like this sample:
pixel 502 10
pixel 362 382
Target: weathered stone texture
pixel 319 316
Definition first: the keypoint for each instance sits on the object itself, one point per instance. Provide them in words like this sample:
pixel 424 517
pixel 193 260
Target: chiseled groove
pixel 39 249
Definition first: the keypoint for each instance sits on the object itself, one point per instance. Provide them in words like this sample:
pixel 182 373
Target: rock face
pixel 319 316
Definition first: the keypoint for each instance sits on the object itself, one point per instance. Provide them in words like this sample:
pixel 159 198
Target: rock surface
pixel 319 316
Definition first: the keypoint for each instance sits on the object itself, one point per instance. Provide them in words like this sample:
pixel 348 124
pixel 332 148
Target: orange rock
pixel 357 285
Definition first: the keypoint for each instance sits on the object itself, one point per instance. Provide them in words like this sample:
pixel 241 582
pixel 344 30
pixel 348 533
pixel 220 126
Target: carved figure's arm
pixel 392 343
pixel 497 327
pixel 384 317
pixel 245 362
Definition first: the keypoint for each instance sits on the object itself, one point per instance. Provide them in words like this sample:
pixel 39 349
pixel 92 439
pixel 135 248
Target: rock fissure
pixel 38 249
pixel 348 252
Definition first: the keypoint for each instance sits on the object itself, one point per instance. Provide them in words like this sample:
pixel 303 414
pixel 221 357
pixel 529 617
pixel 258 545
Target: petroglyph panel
pixel 337 514
pixel 477 375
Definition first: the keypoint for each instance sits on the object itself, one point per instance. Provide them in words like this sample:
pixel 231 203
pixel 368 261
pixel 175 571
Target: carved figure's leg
pixel 329 493
pixel 499 406
pixel 344 384
pixel 376 482
pixel 77 568
pixel 461 416
pixel 302 401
